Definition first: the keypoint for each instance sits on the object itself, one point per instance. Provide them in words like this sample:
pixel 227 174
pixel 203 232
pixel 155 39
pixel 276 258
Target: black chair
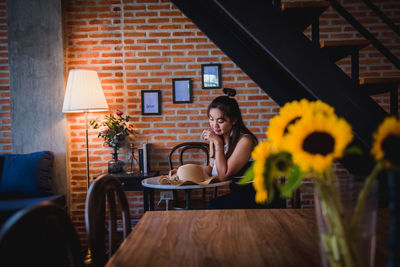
pixel 105 189
pixel 194 148
pixel 41 235
pixel 182 147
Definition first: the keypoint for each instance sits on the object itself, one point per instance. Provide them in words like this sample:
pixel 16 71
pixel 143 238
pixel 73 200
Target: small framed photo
pixel 181 90
pixel 211 76
pixel 151 102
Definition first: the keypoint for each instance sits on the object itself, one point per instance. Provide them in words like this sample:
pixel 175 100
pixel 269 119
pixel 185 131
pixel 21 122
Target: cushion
pixel 9 206
pixel 27 175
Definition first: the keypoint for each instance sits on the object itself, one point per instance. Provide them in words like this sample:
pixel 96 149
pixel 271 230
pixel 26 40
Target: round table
pixel 149 184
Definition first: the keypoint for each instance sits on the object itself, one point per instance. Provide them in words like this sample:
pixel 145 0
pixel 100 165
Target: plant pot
pixel 343 242
pixel 115 165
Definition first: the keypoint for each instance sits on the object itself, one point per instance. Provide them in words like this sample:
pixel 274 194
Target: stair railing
pixel 382 16
pixel 367 34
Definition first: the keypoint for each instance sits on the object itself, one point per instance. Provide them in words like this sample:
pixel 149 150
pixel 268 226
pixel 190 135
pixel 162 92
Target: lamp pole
pixel 87 150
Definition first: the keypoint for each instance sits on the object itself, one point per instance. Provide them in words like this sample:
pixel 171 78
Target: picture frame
pixel 211 76
pixel 182 90
pixel 151 102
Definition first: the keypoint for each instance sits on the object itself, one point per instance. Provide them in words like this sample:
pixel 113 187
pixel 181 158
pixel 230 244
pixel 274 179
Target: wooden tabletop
pixel 266 237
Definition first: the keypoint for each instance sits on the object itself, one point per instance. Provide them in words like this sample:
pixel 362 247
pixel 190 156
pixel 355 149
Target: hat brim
pixel 205 182
pixel 165 179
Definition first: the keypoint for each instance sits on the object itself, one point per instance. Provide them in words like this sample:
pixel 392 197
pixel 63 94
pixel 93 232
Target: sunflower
pixel 387 142
pixel 316 140
pixel 260 155
pixel 289 114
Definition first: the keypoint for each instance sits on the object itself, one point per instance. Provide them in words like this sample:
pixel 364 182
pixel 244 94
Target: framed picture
pixel 181 90
pixel 151 102
pixel 211 76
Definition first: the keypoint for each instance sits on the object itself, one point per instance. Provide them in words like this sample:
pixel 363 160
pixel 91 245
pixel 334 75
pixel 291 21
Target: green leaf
pixel 293 182
pixel 269 178
pixel 353 150
pixel 248 175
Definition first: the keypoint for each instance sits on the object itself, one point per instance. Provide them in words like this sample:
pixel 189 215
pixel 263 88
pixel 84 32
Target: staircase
pixel 302 14
pixel 267 42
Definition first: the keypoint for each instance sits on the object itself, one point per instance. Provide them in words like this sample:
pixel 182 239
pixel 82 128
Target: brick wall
pixel 5 116
pixel 142 45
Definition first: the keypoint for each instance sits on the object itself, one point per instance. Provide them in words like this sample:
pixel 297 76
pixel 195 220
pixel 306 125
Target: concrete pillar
pixel 36 80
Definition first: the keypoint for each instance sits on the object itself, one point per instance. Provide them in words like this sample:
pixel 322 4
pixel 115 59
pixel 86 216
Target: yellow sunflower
pixel 387 142
pixel 291 113
pixel 316 140
pixel 260 155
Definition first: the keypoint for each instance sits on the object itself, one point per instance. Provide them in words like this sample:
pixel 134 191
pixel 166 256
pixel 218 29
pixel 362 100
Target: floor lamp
pixel 84 94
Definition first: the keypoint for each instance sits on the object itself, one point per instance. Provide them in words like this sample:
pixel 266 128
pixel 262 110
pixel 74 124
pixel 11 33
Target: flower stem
pixel 363 195
pixel 342 251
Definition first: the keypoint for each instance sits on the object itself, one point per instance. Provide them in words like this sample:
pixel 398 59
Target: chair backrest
pixel 182 147
pixel 105 188
pixel 41 235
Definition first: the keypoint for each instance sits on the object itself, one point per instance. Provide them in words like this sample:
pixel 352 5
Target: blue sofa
pixel 25 180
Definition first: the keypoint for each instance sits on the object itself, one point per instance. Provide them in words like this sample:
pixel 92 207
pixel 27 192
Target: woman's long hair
pixel 230 108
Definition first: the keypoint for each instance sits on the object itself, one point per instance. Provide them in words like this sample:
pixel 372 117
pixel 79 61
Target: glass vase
pixel 342 241
pixel 115 165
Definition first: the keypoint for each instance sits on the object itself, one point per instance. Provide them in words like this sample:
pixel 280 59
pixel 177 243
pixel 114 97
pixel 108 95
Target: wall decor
pixel 151 102
pixel 182 90
pixel 211 76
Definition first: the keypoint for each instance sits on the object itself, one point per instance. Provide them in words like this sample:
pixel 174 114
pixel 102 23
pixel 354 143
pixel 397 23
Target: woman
pixel 231 143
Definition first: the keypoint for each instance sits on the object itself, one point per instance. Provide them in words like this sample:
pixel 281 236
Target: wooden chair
pixel 41 235
pixel 105 188
pixel 181 149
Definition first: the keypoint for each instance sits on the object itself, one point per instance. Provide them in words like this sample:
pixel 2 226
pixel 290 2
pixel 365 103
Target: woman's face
pixel 219 123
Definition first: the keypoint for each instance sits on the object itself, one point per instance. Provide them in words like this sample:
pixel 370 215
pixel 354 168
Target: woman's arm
pixel 238 159
pixel 209 167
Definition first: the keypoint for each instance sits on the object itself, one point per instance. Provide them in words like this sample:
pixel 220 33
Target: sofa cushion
pixel 26 175
pixel 10 206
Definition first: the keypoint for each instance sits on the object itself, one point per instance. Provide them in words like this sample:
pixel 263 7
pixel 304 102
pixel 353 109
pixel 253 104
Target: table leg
pixel 145 199
pixel 151 191
pixel 187 191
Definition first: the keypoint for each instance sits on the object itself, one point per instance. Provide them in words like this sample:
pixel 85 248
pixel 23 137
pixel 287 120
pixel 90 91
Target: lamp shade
pixel 84 92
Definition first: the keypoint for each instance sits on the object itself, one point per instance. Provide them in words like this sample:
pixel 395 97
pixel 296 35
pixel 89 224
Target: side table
pixel 132 182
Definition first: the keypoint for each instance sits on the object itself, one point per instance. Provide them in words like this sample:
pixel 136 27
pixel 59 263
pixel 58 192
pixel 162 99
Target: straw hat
pixel 188 174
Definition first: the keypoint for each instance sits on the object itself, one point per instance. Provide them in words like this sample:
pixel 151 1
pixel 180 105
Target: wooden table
pixel 149 184
pixel 286 237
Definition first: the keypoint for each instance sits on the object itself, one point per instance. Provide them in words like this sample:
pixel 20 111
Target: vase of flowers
pixel 304 140
pixel 114 128
pixel 341 242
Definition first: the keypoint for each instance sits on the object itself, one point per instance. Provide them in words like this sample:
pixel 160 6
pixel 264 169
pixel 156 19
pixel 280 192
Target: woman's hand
pixel 209 135
pixel 172 172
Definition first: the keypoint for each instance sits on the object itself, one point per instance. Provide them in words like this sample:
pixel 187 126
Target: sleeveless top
pixel 214 171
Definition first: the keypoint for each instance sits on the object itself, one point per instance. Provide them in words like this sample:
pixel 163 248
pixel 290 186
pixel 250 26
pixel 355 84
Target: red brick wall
pixel 5 116
pixel 141 45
